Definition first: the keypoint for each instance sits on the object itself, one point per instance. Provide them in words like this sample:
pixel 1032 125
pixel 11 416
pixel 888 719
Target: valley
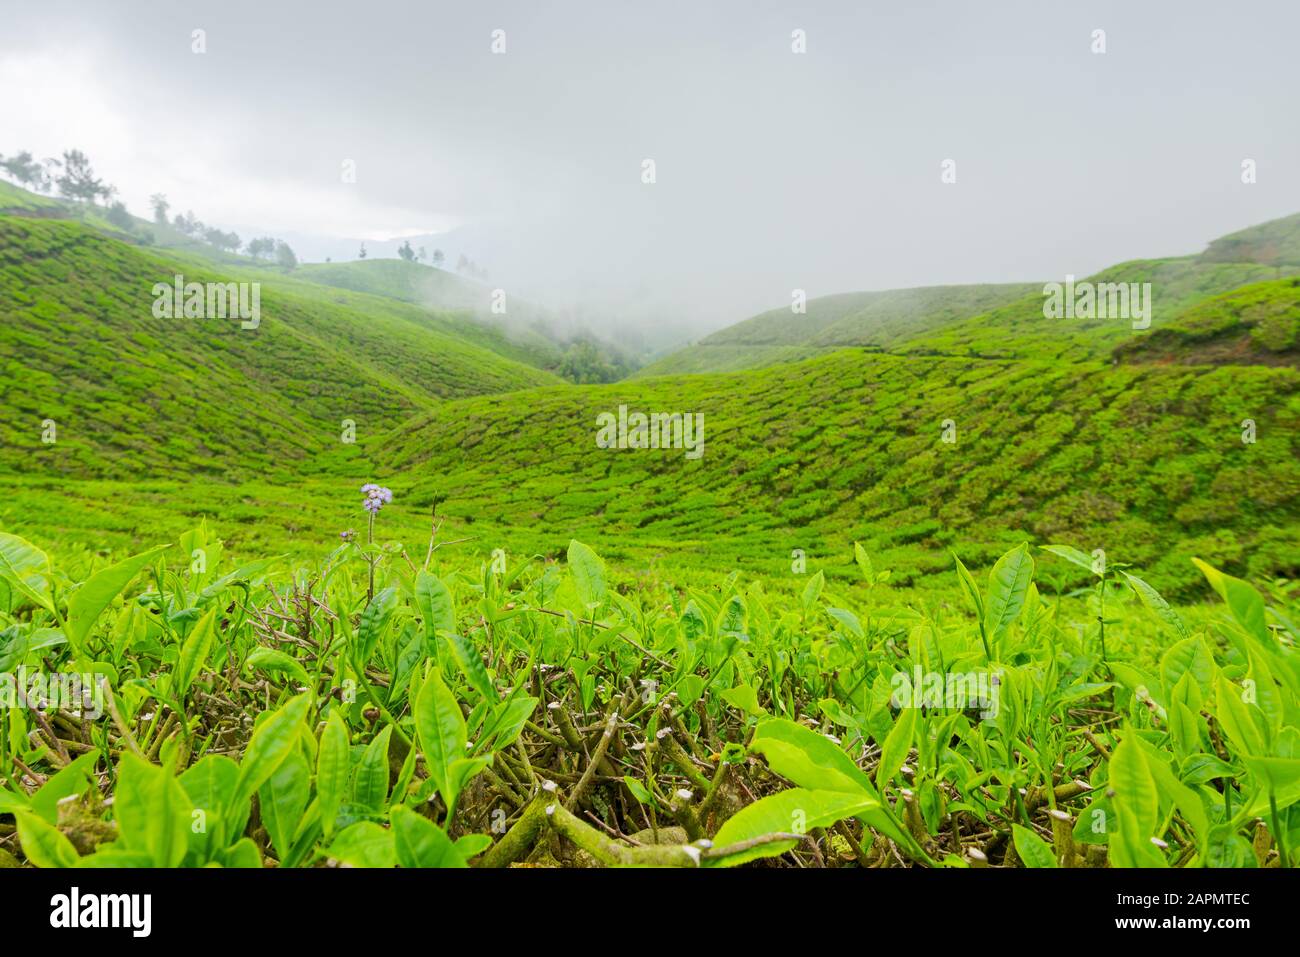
pixel 927 522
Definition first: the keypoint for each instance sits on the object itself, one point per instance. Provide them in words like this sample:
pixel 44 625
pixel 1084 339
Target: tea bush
pixel 380 709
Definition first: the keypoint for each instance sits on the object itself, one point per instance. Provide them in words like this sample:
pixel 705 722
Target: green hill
pixel 399 279
pixel 878 320
pixel 136 395
pixel 1085 432
pixel 1021 330
pixel 1274 243
pixel 462 304
pixel 1259 323
pixel 437 298
pixel 140 232
pixel 1001 322
pixel 1146 462
pixel 14 199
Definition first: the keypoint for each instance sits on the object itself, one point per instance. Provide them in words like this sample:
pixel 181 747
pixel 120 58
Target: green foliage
pixel 1274 243
pixel 175 419
pixel 1258 323
pixel 384 739
pixel 1148 460
pixel 921 684
pixel 878 321
pixel 585 361
pixel 133 393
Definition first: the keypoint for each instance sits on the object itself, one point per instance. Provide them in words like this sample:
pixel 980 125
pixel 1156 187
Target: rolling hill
pixel 1274 243
pixel 850 446
pixel 14 199
pixel 1020 330
pixel 1256 324
pixel 139 232
pixel 1091 433
pixel 135 395
pixel 878 320
pixel 520 333
pixel 993 321
pixel 439 298
pixel 399 279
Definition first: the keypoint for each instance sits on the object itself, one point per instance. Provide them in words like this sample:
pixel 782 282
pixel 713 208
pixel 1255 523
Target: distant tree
pixel 470 268
pixel 422 255
pixel 25 171
pixel 362 254
pixel 438 258
pixel 262 247
pixel 76 179
pixel 222 240
pixel 585 362
pixel 406 252
pixel 119 217
pixel 328 259
pixel 284 255
pixel 160 206
pixel 189 224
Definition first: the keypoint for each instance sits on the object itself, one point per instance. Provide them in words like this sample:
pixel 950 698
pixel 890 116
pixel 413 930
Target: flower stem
pixel 370 560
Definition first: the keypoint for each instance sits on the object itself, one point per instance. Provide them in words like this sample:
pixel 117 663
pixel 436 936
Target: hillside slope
pixel 437 298
pixel 1274 243
pixel 1145 461
pixel 1021 330
pixel 461 305
pixel 14 199
pixel 1259 323
pixel 135 395
pixel 399 279
pixel 878 320
pixel 995 321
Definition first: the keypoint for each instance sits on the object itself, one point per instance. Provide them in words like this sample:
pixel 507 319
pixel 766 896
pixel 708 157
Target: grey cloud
pixel 775 170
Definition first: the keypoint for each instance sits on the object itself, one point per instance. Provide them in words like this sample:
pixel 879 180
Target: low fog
pixel 774 170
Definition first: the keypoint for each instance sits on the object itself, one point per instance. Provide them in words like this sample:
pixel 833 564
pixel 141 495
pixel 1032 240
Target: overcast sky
pixel 775 170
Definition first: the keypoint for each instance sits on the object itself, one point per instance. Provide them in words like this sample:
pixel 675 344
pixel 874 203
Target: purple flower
pixel 376 497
